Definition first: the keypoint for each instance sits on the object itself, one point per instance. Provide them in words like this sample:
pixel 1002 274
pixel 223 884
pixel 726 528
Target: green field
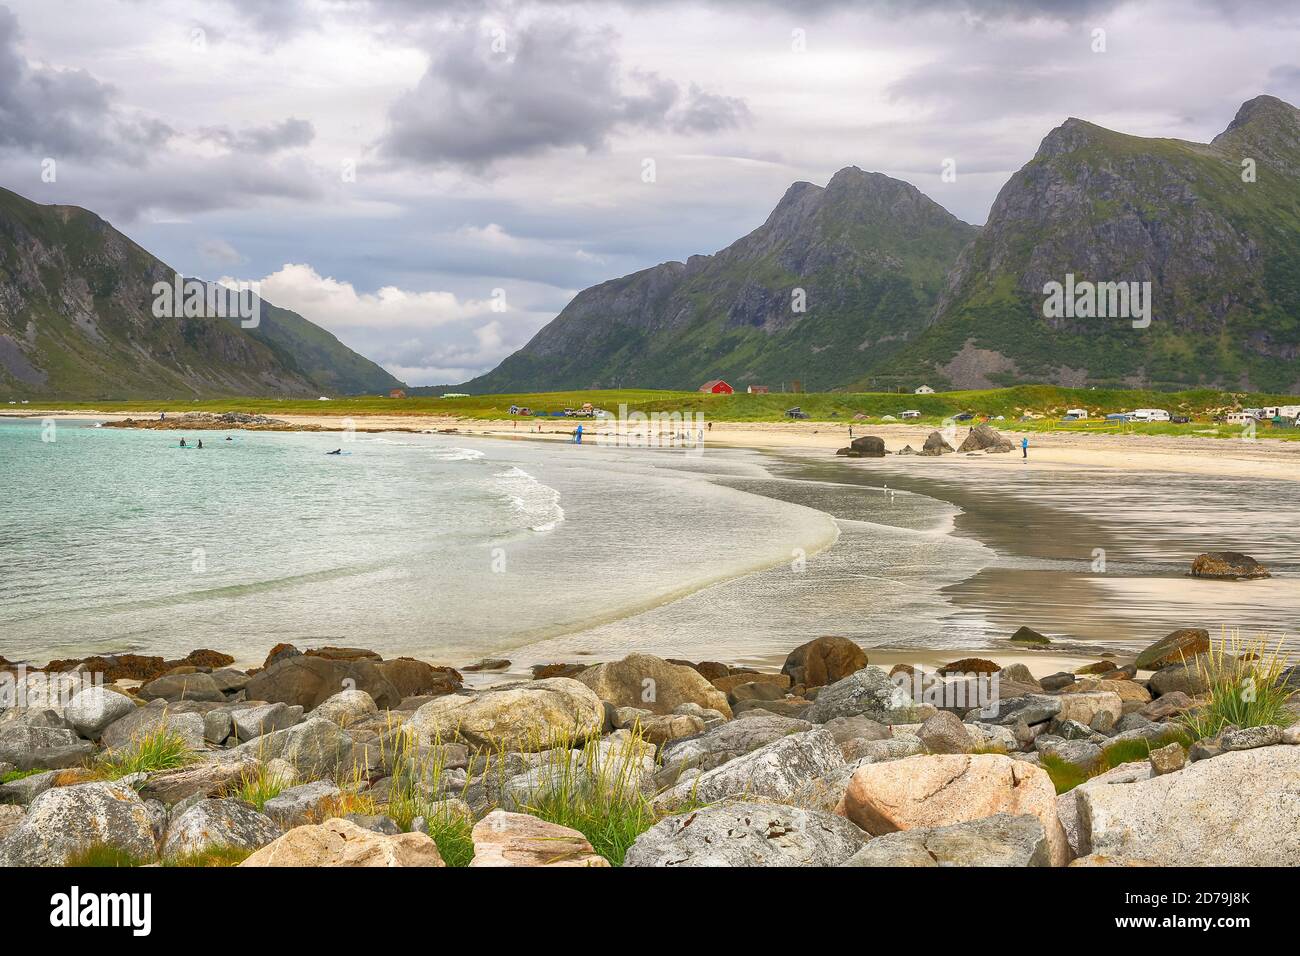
pixel 1047 401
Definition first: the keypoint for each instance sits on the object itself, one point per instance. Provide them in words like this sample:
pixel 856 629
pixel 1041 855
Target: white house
pixel 924 390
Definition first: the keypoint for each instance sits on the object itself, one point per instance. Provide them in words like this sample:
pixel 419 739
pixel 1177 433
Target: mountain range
pixel 77 322
pixel 897 292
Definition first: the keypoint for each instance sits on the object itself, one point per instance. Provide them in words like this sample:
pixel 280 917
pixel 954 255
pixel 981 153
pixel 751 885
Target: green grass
pixel 453 836
pixel 257 785
pixel 102 855
pixel 1065 776
pixel 840 407
pixel 213 856
pixel 159 749
pixel 13 775
pixel 1245 689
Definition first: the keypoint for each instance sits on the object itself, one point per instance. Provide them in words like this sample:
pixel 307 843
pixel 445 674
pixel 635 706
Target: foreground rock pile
pixel 336 757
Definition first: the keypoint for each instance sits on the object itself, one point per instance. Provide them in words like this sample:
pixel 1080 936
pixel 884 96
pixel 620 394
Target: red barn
pixel 717 387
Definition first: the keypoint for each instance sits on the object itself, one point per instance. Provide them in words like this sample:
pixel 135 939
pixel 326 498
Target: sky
pixel 434 181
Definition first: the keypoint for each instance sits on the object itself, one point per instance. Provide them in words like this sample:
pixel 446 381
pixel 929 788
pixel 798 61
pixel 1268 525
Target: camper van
pixel 1149 415
pixel 1077 414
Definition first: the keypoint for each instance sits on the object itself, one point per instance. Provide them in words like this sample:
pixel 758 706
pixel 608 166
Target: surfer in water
pixel 182 442
pixel 200 442
pixel 336 451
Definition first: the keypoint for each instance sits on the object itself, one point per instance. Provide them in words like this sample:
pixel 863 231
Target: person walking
pixel 1024 448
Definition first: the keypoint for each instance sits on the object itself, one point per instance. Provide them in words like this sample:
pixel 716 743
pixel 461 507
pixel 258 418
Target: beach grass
pixel 103 855
pixel 159 749
pixel 216 856
pixel 1244 688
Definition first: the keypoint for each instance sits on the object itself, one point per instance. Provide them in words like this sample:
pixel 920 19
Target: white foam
pixel 461 454
pixel 536 503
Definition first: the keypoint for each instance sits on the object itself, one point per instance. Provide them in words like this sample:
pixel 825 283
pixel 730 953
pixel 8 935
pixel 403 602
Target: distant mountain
pixel 869 253
pixel 1222 256
pixel 77 322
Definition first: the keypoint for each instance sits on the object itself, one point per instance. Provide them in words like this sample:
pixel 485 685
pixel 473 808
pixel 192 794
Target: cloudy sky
pixel 398 170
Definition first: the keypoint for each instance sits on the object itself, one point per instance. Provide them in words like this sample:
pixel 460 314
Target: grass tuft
pixel 213 856
pixel 1245 688
pixel 103 855
pixel 159 749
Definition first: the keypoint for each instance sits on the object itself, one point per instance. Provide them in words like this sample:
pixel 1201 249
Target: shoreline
pixel 1261 458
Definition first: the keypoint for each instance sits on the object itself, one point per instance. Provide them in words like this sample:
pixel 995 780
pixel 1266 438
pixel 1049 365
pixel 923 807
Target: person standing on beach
pixel 1024 448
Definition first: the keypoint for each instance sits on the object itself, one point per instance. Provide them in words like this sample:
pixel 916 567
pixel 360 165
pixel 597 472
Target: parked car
pixel 1179 419
pixel 796 412
pixel 962 417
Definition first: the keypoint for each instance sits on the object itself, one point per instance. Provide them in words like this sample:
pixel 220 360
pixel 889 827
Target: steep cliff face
pixel 1220 248
pixel 865 258
pixel 77 322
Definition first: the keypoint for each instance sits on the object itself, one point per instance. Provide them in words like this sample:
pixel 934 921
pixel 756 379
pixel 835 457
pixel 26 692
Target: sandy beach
pixel 1262 458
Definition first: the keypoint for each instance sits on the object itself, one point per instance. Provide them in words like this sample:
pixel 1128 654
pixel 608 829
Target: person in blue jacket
pixel 1024 447
pixel 577 434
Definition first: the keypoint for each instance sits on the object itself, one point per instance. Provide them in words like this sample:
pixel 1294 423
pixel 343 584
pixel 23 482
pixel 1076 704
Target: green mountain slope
pixel 77 322
pixel 869 253
pixel 1222 256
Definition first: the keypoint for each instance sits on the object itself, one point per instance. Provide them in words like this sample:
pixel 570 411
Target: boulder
pixel 529 716
pixel 936 791
pixel 867 692
pixel 1129 691
pixel 344 843
pixel 660 729
pixel 970 665
pixel 1029 708
pixel 1083 754
pixel 795 707
pixel 867 446
pixel 252 722
pixel 344 654
pixel 1030 637
pixel 1248 738
pixel 230 681
pixel 26 789
pixel 944 733
pixel 730 682
pixel 1239 809
pixel 1085 707
pixel 314 748
pixel 1176 648
pixel 10 817
pixel 935 445
pixel 999 840
pixel 1178 678
pixel 308 681
pixel 67 820
pixel 715 747
pixel 640 680
pixel 414 678
pixel 985 438
pixel 517 839
pixel 900 744
pixel 824 661
pixel 90 712
pixel 27 735
pixel 174 687
pixel 157 717
pixel 208 824
pixel 347 707
pixel 1228 566
pixel 1168 759
pixel 743 834
pixel 1167 705
pixel 1067 804
pixel 303 803
pixel 776 771
pixel 209 779
pixel 1019 674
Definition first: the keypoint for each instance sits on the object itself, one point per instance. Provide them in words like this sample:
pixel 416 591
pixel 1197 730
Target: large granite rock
pixel 252 722
pixel 1240 809
pixel 715 747
pixel 867 446
pixel 651 683
pixel 1179 678
pixel 740 834
pixel 303 803
pixel 936 791
pixel 1176 648
pixel 414 678
pixel 309 681
pixel 174 687
pixel 868 692
pixel 775 771
pixel 1000 840
pixel 344 843
pixel 90 712
pixel 944 733
pixel 347 707
pixel 824 661
pixel 209 824
pixel 157 716
pixel 517 839
pixel 530 716
pixel 314 748
pixel 985 438
pixel 1067 804
pixel 208 779
pixel 68 820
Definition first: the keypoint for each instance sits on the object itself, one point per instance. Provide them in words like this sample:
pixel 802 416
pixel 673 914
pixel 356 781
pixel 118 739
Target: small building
pixel 757 390
pixel 397 393
pixel 717 387
pixel 924 390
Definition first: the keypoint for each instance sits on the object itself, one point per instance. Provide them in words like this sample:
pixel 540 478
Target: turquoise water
pixel 437 546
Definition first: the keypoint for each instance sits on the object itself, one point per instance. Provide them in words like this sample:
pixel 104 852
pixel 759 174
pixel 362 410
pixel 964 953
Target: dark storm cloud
pixel 65 112
pixel 262 140
pixel 548 84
